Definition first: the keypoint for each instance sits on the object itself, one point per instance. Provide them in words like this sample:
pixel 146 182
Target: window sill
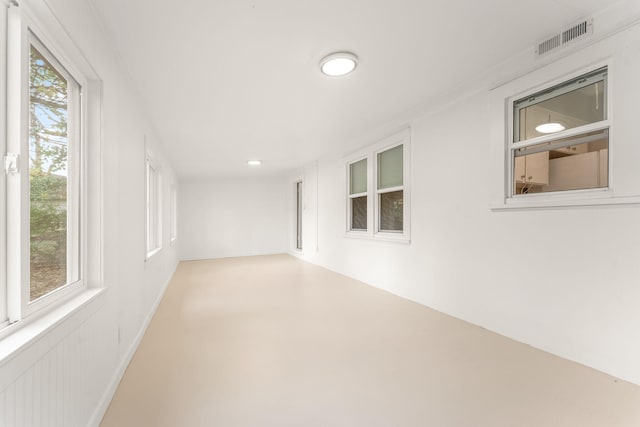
pixel 384 237
pixel 20 335
pixel 574 199
pixel 152 253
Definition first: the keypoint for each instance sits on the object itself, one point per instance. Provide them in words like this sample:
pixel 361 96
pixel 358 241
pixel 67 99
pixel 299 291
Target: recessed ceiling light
pixel 254 162
pixel 338 64
pixel 549 127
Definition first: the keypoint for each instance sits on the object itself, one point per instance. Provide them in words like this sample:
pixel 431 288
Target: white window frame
pixel 350 229
pixel 298 199
pixel 514 145
pixel 153 205
pixel 24 34
pixel 378 192
pixel 502 99
pixel 373 193
pixel 29 24
pixel 173 208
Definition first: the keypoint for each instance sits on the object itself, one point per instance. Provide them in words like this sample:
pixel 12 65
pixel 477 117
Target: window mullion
pixel 390 189
pixel 557 144
pixel 591 127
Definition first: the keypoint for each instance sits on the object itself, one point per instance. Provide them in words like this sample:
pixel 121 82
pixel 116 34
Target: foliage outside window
pixel 53 174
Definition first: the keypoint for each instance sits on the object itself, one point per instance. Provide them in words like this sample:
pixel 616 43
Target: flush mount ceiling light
pixel 254 162
pixel 338 64
pixel 549 127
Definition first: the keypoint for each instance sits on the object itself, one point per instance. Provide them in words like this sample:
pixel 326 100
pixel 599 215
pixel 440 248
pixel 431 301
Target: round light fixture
pixel 338 64
pixel 550 127
pixel 254 162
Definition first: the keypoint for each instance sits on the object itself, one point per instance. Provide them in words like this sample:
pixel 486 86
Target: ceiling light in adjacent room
pixel 254 162
pixel 338 64
pixel 549 127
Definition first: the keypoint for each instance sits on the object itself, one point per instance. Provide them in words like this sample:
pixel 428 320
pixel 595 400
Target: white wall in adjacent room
pixel 230 217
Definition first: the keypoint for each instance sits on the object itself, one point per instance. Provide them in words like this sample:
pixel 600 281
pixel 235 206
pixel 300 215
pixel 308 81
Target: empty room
pixel 277 213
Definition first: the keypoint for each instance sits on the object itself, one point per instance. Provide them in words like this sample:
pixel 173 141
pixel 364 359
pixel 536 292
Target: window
pixel 560 139
pixel 377 183
pixel 390 189
pixel 154 223
pixel 54 174
pixel 358 195
pixel 51 195
pixel 174 214
pixel 299 215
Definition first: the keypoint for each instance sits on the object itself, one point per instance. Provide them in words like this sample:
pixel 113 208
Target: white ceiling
pixel 228 80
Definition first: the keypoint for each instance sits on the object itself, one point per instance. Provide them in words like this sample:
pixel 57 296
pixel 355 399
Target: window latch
pixel 11 164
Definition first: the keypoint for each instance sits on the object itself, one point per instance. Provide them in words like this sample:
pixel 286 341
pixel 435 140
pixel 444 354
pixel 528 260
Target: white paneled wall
pixel 52 382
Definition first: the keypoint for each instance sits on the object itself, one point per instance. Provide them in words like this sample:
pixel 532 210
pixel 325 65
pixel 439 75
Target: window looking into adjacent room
pixel 377 183
pixel 561 137
pixel 153 198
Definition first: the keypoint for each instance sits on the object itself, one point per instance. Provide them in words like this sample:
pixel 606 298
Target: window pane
pixel 48 176
pixel 358 177
pixel 359 213
pixel 558 166
pixel 153 206
pixel 390 168
pixel 174 214
pixel 299 215
pixel 391 205
pixel 575 103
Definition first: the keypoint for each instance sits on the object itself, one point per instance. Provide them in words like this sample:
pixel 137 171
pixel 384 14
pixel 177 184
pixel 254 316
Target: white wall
pixel 564 279
pixel 220 218
pixel 67 375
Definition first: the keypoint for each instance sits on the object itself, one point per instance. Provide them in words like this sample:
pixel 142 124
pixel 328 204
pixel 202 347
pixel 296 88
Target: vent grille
pixel 577 31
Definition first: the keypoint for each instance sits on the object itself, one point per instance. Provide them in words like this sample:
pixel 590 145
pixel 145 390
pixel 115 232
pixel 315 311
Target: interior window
pixel 558 143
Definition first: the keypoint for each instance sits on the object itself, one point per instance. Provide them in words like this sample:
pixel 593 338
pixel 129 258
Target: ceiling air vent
pixel 578 31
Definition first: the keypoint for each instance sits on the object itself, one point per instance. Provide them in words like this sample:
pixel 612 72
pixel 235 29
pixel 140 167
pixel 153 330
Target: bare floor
pixel 274 341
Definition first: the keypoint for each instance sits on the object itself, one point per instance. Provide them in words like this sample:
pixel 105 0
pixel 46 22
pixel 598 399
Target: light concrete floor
pixel 274 341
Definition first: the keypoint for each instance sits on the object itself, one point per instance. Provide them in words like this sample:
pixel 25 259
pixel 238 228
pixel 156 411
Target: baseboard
pixel 103 405
pixel 226 256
